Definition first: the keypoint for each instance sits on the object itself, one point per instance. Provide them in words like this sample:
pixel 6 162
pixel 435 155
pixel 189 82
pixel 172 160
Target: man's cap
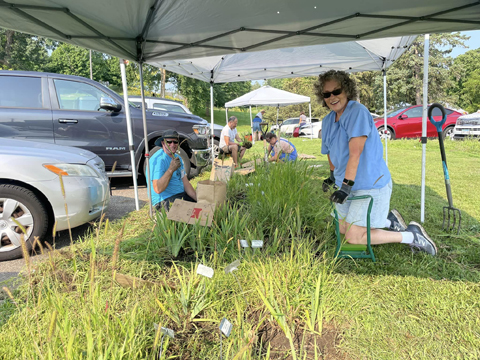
pixel 168 134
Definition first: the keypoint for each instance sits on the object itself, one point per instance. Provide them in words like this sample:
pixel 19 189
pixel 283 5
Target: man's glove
pixel 328 182
pixel 174 164
pixel 340 196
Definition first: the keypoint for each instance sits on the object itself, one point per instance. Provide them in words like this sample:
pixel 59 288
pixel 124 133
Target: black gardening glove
pixel 340 196
pixel 328 182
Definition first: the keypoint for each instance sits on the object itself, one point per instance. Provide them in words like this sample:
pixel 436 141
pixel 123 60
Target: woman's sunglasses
pixel 335 92
pixel 171 141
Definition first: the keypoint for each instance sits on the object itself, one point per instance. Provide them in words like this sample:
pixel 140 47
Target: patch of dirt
pixel 304 341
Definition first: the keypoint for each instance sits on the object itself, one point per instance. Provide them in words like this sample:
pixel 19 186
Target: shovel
pixel 449 212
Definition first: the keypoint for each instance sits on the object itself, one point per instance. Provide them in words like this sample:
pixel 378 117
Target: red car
pixel 407 123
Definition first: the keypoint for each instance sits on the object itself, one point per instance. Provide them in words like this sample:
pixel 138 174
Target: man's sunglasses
pixel 335 92
pixel 171 141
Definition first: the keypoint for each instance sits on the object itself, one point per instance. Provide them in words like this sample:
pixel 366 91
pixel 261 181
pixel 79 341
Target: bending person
pixel 281 149
pixel 169 181
pixel 355 154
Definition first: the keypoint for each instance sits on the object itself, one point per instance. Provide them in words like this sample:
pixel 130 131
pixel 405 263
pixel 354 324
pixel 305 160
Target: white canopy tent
pixel 151 30
pixel 268 96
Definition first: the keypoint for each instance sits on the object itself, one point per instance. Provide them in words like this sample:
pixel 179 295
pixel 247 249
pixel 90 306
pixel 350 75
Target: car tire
pixel 447 133
pixel 216 147
pixel 183 155
pixel 19 203
pixel 390 133
pixel 319 134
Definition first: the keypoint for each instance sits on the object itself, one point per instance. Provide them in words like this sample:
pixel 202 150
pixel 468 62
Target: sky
pixel 473 43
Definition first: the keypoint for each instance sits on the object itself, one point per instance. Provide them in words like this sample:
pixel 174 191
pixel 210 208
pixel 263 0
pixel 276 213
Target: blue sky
pixel 473 43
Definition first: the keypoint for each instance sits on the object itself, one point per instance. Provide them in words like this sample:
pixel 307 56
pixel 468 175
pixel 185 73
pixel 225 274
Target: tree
pixel 465 71
pixel 20 51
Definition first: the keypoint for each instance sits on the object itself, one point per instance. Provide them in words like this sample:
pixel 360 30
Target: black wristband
pixel 332 177
pixel 349 182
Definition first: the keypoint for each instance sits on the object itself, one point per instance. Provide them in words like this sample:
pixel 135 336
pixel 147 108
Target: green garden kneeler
pixel 354 251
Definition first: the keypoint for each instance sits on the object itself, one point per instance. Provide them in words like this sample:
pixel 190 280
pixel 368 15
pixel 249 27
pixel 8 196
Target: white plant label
pixel 244 243
pixel 257 243
pixel 169 332
pixel 205 271
pixel 226 327
pixel 232 267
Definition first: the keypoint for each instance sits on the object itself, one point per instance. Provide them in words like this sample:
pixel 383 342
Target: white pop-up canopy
pixel 352 56
pixel 268 96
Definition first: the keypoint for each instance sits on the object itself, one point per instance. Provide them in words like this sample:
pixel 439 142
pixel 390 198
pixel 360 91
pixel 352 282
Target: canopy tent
pixel 352 56
pixel 268 96
pixel 148 30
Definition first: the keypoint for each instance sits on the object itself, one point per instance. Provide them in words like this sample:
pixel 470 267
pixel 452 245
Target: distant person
pixel 227 141
pixel 281 149
pixel 256 125
pixel 355 154
pixel 169 181
pixel 153 94
pixel 303 119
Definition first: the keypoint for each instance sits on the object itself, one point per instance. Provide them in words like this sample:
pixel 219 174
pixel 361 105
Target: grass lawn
pixel 289 300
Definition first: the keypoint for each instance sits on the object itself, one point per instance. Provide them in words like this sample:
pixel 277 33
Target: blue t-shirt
pixel 159 163
pixel 356 121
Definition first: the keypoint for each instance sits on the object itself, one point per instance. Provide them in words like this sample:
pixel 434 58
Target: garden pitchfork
pixel 449 211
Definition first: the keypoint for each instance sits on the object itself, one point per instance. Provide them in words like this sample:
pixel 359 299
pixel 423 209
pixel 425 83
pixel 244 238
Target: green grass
pixel 404 306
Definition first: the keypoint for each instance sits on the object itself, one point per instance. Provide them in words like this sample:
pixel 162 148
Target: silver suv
pixel 31 194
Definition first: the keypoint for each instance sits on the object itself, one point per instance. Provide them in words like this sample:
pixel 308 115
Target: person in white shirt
pixel 260 114
pixel 227 141
pixel 303 118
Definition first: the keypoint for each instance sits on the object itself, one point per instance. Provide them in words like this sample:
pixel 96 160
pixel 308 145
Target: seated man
pixel 227 141
pixel 169 181
pixel 281 148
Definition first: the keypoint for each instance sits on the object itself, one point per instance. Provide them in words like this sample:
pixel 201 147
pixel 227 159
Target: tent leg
pixel 385 114
pixel 278 129
pixel 145 139
pixel 251 125
pixel 211 121
pixel 424 123
pixel 310 114
pixel 226 116
pixel 129 132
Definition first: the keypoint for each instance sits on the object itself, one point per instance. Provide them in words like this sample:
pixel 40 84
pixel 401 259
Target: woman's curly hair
pixel 346 82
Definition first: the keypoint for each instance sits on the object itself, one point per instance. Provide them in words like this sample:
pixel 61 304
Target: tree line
pixel 453 82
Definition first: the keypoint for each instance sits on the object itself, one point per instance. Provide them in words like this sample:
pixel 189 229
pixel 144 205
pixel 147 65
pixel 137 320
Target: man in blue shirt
pixel 167 174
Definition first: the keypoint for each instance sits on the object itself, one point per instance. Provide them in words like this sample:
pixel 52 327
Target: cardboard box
pixel 222 170
pixel 191 213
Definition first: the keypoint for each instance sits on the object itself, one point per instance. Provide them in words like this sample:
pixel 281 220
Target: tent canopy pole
pixel 385 114
pixel 424 124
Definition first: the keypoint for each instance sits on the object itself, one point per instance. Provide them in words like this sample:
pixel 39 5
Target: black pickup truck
pixel 75 111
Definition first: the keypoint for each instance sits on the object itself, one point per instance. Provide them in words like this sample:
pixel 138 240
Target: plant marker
pixel 225 329
pixel 229 269
pixel 165 332
pixel 205 271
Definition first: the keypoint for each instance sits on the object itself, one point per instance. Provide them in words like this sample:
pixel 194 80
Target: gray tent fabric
pixel 149 30
pixel 352 56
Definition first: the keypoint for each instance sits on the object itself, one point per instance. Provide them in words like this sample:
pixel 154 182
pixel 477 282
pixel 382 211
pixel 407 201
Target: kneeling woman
pixel 281 149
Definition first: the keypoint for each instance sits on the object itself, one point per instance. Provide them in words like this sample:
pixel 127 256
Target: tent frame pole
pixel 211 121
pixel 278 129
pixel 385 129
pixel 424 123
pixel 251 125
pixel 310 114
pixel 131 146
pixel 145 139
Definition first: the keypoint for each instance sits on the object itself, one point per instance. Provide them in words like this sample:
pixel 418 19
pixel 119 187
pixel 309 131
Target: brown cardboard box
pixel 190 212
pixel 222 170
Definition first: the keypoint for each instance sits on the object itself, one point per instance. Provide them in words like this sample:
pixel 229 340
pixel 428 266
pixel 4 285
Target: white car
pixel 155 103
pixel 467 125
pixel 31 193
pixel 312 129
pixel 289 125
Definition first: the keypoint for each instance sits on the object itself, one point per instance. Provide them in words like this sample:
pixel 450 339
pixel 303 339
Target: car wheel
pixel 389 134
pixel 448 133
pixel 319 134
pixel 216 148
pixel 183 155
pixel 19 206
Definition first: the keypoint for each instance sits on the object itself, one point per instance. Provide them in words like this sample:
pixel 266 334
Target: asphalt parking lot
pixel 121 203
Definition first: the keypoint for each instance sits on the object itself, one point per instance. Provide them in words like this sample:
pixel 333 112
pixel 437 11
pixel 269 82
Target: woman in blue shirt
pixel 355 154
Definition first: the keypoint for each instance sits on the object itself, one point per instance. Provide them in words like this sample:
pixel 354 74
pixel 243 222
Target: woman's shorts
pixel 355 212
pixel 256 126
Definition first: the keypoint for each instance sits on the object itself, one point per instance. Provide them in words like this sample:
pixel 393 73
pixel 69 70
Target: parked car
pixel 467 126
pixel 31 192
pixel 407 123
pixel 289 125
pixel 75 111
pixel 156 103
pixel 313 129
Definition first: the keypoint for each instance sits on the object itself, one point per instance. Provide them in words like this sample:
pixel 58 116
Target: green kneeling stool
pixel 354 251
